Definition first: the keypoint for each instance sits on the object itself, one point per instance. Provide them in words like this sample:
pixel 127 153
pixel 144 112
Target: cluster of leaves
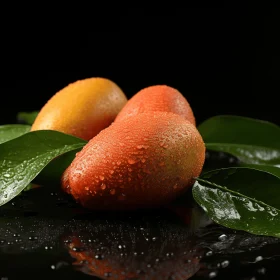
pixel 242 197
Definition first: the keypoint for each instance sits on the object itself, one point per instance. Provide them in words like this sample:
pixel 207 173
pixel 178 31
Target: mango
pixel 160 98
pixel 143 161
pixel 82 108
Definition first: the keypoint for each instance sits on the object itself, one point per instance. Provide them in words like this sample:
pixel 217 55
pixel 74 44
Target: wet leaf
pixel 241 198
pixel 11 131
pixel 27 117
pixel 268 168
pixel 251 141
pixel 23 158
pixel 51 174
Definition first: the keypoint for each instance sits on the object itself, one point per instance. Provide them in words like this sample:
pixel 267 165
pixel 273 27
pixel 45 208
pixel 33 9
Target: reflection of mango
pixel 178 265
pixel 117 248
pixel 158 98
pixel 142 161
pixel 82 108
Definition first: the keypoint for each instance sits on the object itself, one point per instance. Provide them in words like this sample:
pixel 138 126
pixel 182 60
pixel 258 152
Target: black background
pixel 224 61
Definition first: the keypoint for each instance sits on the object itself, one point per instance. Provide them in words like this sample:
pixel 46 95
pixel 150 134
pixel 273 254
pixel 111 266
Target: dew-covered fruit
pixel 82 108
pixel 140 162
pixel 160 98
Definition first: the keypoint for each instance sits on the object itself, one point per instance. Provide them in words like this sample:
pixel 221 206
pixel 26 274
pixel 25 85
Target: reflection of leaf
pixel 23 158
pixel 241 198
pixel 252 141
pixel 11 131
pixel 27 117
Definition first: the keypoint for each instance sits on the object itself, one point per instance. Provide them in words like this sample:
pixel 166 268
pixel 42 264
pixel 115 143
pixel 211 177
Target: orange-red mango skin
pixel 160 98
pixel 141 162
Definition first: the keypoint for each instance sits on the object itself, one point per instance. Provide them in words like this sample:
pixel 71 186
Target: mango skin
pixel 160 98
pixel 141 162
pixel 82 108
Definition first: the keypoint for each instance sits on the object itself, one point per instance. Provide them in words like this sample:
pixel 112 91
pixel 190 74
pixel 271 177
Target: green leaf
pixel 51 174
pixel 241 198
pixel 27 117
pixel 11 131
pixel 251 141
pixel 268 168
pixel 23 158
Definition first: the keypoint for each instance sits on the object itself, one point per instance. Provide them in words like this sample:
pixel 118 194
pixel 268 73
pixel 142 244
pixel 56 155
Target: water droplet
pixel 103 186
pixel 222 237
pixel 259 258
pixel 212 274
pixel 261 270
pixel 52 266
pixel 86 188
pixel 154 239
pixel 119 162
pixel 101 177
pixel 107 274
pixel 209 253
pixel 32 238
pixel 78 249
pixel 112 191
pixel 224 263
pixel 99 257
pixel 131 161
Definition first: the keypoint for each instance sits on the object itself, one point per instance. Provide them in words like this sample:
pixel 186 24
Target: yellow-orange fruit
pixel 143 161
pixel 160 98
pixel 82 109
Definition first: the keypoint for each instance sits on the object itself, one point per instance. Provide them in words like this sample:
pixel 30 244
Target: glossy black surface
pixel 46 235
